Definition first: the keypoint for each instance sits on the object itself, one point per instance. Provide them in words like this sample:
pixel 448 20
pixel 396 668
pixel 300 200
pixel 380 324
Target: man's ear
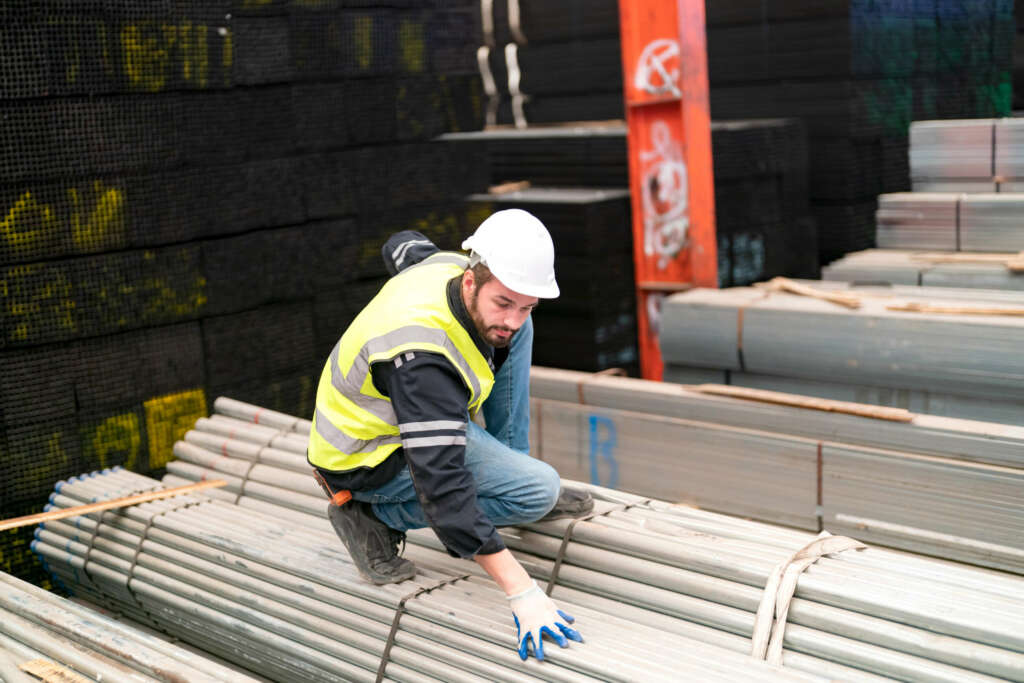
pixel 468 281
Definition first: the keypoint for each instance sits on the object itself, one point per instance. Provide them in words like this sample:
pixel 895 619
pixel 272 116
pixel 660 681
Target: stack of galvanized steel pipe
pixel 661 592
pixel 273 590
pixel 54 639
pixel 914 344
pixel 903 267
pixel 930 484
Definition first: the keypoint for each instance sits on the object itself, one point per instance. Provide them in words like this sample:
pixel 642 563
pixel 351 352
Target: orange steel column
pixel 664 60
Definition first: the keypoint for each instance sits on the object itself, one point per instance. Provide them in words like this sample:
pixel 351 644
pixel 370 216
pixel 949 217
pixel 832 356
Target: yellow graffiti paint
pixel 167 419
pixel 253 4
pixel 145 60
pixel 362 39
pixel 227 55
pixel 104 225
pixel 116 441
pixel 195 65
pixel 165 302
pixel 412 46
pixel 25 223
pixel 35 298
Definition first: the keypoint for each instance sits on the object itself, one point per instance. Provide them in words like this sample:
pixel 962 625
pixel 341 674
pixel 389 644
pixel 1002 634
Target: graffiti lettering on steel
pixel 167 419
pixel 25 222
pixel 665 196
pixel 657 69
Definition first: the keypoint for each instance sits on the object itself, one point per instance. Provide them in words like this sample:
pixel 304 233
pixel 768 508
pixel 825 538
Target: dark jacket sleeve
pixel 429 400
pixel 404 249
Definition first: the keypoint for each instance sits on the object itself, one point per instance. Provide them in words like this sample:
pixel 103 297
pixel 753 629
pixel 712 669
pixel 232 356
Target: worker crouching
pixel 447 336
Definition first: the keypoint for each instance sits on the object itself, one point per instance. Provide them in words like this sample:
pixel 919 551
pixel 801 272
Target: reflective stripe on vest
pixel 354 425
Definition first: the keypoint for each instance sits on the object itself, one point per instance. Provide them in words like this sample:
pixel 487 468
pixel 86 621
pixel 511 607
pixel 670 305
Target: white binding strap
pixel 770 622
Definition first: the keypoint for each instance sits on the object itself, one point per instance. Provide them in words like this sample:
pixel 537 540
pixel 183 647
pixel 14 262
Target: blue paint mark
pixel 603 449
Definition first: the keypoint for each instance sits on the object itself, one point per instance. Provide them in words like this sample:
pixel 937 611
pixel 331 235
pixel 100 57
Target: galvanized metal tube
pixel 185 514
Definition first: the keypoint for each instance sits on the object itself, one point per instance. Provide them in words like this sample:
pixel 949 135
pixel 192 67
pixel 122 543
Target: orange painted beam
pixel 664 60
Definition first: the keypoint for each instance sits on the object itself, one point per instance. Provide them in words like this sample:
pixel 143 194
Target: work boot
pixel 372 544
pixel 571 503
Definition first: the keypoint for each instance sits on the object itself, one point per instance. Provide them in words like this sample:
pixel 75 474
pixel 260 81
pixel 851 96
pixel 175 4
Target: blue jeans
pixel 511 487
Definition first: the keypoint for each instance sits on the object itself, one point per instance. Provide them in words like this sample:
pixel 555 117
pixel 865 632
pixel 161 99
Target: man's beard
pixel 488 333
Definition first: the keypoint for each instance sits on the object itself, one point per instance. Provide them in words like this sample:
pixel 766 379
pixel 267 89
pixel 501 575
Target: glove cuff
pixel 533 587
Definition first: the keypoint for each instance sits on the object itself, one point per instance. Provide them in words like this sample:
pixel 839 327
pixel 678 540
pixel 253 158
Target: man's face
pixel 496 310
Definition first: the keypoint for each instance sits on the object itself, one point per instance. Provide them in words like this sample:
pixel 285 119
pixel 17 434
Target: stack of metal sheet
pixel 54 639
pixel 753 330
pixel 904 267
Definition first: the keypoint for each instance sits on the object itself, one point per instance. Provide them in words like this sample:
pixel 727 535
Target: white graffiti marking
pixel 654 305
pixel 657 70
pixel 665 196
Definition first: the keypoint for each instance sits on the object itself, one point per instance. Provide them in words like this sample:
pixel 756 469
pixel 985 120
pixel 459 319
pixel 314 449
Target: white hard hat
pixel 517 248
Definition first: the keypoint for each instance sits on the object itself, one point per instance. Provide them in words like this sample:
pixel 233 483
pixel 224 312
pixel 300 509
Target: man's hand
pixel 537 615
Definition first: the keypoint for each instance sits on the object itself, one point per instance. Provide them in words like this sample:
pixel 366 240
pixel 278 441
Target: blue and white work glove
pixel 536 615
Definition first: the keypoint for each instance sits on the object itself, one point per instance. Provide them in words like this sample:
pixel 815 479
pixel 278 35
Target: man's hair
pixel 481 275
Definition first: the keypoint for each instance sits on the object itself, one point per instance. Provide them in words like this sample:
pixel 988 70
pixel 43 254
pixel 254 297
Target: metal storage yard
pixel 304 302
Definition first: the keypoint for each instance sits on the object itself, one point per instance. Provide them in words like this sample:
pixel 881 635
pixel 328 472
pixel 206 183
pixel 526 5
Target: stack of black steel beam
pixel 194 196
pixel 763 219
pixel 566 57
pixel 856 73
pixel 592 324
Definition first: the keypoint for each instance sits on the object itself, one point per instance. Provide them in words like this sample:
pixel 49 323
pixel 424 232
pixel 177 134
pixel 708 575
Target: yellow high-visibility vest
pixel 354 425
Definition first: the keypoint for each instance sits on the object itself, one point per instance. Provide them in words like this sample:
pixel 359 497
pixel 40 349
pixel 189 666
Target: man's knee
pixel 546 485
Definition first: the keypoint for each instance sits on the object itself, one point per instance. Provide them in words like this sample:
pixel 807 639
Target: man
pixel 447 336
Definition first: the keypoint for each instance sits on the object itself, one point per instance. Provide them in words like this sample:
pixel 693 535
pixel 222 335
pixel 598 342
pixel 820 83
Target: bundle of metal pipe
pixel 967 155
pixel 58 640
pixel 927 504
pixel 957 439
pixel 942 486
pixel 950 221
pixel 902 267
pixel 900 341
pixel 271 589
pixel 693 574
pixel 906 498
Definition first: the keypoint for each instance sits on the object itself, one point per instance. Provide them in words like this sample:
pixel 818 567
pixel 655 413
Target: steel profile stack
pixel 904 267
pixel 873 344
pixel 683 582
pixel 941 486
pixel 763 218
pixel 970 155
pixel 44 636
pixel 179 199
pixel 562 59
pixel 272 590
pixel 951 221
pixel 592 324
